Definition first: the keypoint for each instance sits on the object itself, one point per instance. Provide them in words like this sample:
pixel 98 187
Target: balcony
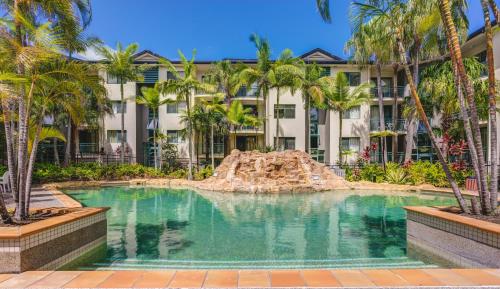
pixel 249 130
pixel 388 92
pixel 400 125
pixel 218 149
pixel 246 93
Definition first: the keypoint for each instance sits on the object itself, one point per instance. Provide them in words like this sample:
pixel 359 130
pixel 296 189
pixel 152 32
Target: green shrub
pixel 372 173
pixel 3 169
pixel 395 174
pixel 204 173
pixel 178 174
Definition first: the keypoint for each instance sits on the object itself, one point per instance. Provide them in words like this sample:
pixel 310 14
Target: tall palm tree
pixel 217 111
pixel 152 99
pixel 286 74
pixel 372 43
pixel 119 63
pixel 312 92
pixel 183 85
pixel 260 74
pixel 226 77
pixel 492 97
pixel 340 97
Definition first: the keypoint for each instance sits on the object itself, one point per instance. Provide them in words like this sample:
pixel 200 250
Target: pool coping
pixel 380 278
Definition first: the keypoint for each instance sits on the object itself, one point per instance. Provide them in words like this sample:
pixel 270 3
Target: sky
pixel 221 28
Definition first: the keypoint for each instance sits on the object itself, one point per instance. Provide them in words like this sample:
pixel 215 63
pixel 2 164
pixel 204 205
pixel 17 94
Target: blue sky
pixel 221 28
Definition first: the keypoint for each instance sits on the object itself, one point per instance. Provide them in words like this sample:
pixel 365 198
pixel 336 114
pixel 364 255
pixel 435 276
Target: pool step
pixel 131 264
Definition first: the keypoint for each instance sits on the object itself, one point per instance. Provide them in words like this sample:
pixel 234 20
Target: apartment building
pixel 359 124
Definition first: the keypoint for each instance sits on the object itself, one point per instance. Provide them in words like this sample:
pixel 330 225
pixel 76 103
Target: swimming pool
pixel 155 228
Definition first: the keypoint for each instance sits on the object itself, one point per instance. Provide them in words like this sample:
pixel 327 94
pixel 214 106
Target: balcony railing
pixel 249 128
pixel 388 92
pixel 400 125
pixel 218 148
pixel 89 148
pixel 245 92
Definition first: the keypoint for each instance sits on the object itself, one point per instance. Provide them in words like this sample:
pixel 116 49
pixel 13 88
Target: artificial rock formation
pixel 274 172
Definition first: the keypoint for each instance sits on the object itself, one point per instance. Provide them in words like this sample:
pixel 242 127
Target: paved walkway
pixel 40 198
pixel 397 278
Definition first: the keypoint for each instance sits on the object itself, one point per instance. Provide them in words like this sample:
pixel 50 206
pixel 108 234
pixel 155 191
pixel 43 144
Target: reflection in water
pixel 150 224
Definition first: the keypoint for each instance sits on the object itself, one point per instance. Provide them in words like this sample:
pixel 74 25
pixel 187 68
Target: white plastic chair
pixel 5 184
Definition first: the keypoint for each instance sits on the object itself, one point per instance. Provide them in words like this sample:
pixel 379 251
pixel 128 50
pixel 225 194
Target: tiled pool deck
pixel 394 278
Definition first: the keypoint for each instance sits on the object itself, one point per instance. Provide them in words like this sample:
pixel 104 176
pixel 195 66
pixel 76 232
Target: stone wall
pixel 52 243
pixel 459 241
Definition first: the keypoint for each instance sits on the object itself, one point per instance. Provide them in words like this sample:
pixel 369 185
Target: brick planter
pixel 460 241
pixel 54 242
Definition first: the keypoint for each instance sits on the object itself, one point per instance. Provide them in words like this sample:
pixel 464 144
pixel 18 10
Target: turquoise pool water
pixel 151 228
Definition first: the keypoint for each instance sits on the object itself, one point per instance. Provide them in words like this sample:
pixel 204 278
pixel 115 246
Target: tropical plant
pixel 182 86
pixel 119 64
pixel 152 99
pixel 260 74
pixel 226 77
pixel 28 49
pixel 312 93
pixel 286 74
pixel 341 97
pixel 216 111
pixel 239 116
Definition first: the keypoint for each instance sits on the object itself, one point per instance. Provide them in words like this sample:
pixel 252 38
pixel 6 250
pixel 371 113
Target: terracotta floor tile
pixel 384 278
pixel 4 277
pixel 56 279
pixel 89 279
pixel 218 279
pixel 193 279
pixel 449 278
pixel 121 279
pixel 258 278
pixel 320 278
pixel 154 279
pixel 478 276
pixel 416 277
pixel 352 278
pixel 24 279
pixel 286 278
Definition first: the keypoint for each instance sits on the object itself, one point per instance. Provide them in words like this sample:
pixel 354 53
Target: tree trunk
pixel 308 124
pixel 67 152
pixel 190 139
pixel 445 10
pixel 212 145
pixel 31 165
pixel 381 112
pixel 341 116
pixel 421 112
pixel 74 141
pixel 56 152
pixel 4 214
pixel 154 140
pixel 395 116
pixel 122 131
pixel 277 135
pixel 492 105
pixel 495 10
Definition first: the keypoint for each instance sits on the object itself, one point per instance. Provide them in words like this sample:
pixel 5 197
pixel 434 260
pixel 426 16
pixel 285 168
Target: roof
pixel 480 31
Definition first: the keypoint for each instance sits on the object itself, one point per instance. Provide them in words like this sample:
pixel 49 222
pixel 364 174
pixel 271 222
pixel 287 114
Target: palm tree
pixel 183 85
pixel 340 97
pixel 372 42
pixel 216 110
pixel 239 116
pixel 152 100
pixel 119 63
pixel 261 73
pixel 226 77
pixel 492 95
pixel 312 92
pixel 286 74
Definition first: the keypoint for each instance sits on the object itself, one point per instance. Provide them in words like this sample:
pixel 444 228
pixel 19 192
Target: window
pixel 326 71
pixel 112 79
pixel 170 75
pixel 115 136
pixel 176 107
pixel 286 143
pixel 118 108
pixel 354 78
pixel 353 113
pixel 150 75
pixel 350 144
pixel 173 136
pixel 284 110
